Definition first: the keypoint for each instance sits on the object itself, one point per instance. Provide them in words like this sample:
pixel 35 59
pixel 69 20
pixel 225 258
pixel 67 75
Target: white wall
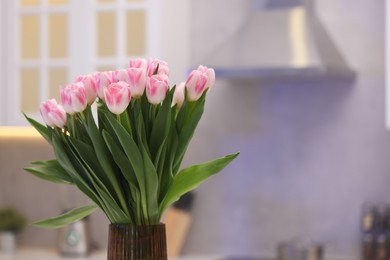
pixel 175 35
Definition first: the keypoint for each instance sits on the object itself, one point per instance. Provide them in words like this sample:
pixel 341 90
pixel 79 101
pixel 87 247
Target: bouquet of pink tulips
pixel 127 160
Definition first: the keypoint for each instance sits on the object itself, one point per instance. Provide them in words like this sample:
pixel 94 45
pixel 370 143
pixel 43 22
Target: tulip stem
pixel 82 116
pixel 73 126
pixel 118 117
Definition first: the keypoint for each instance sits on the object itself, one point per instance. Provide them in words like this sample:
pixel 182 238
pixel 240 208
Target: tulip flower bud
pixel 135 77
pixel 196 85
pixel 210 73
pixel 156 88
pixel 117 96
pixel 90 87
pixel 162 67
pixel 102 79
pixel 74 98
pixel 137 81
pixel 120 75
pixel 178 96
pixel 138 63
pixel 52 113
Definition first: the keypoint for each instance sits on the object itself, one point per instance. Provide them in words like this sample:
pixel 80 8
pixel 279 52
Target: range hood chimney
pixel 279 39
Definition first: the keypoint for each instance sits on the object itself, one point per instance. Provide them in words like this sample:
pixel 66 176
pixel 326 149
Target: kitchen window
pixel 46 43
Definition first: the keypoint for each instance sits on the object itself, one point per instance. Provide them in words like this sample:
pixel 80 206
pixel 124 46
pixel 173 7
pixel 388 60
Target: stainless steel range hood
pixel 278 41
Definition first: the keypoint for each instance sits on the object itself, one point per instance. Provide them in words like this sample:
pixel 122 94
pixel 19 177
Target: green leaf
pixel 101 150
pixel 187 109
pixel 51 171
pixel 182 113
pixel 143 107
pixel 111 206
pixel 128 145
pixel 125 120
pixel 133 154
pixel 160 156
pixel 161 126
pixel 104 124
pixel 80 131
pixel 142 131
pixel 82 179
pixel 164 177
pixel 120 159
pixel 45 131
pixel 126 169
pixel 103 155
pixel 185 134
pixel 67 164
pixel 138 206
pixel 151 187
pixel 86 160
pixel 190 178
pixel 66 218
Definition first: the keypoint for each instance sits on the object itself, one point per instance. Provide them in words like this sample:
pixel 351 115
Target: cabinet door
pixel 49 42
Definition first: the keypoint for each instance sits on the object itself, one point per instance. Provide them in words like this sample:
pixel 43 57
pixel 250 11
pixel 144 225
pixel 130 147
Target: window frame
pixel 81 26
pixel 3 106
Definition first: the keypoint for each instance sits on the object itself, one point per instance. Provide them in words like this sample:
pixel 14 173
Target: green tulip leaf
pixel 43 130
pixel 161 126
pixel 50 171
pixel 66 218
pixel 104 156
pixel 190 178
pixel 68 164
pixel 133 154
pixel 195 111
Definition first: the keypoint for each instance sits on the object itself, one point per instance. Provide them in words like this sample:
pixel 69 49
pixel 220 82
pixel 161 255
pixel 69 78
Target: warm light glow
pixel 18 132
pixel 297 19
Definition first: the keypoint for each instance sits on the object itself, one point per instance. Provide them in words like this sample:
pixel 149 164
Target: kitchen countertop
pixel 52 254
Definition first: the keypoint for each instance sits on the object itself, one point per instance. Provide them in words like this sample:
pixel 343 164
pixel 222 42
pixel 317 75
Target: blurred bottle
pixel 382 219
pixel 368 247
pixel 375 226
pixel 368 218
pixel 382 250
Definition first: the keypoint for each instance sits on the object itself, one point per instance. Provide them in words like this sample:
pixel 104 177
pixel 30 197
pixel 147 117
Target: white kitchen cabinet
pixel 44 44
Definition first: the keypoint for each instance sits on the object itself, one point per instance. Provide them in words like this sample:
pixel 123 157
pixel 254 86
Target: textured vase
pixel 127 242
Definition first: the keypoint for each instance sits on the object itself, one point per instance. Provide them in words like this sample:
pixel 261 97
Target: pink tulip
pixel 74 98
pixel 135 77
pixel 53 114
pixel 178 96
pixel 162 67
pixel 210 73
pixel 90 87
pixel 156 88
pixel 196 85
pixel 138 63
pixel 137 81
pixel 103 79
pixel 117 97
pixel 121 75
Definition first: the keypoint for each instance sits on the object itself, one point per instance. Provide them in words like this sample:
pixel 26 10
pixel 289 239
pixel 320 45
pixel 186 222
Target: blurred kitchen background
pixel 300 92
